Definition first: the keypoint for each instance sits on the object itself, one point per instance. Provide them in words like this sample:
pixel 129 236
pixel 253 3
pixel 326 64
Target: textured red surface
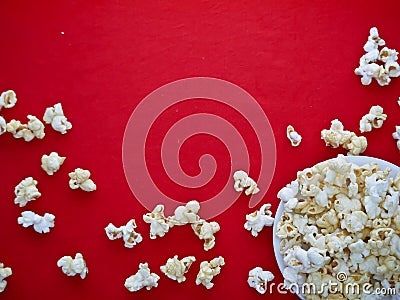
pixel 296 58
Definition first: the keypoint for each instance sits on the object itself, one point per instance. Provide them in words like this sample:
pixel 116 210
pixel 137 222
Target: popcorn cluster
pixel 126 232
pixel 142 279
pixel 244 182
pixel 176 269
pixel 73 266
pixel 379 64
pixel 374 119
pixel 33 129
pixel 293 136
pixel 55 117
pixel 341 218
pixel 208 270
pixel 41 224
pixel 26 191
pixel 258 279
pixel 80 178
pixel 336 136
pixel 52 163
pixel 4 273
pixel 257 220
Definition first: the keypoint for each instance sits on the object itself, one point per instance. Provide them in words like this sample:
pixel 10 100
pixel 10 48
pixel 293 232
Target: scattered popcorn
pixel 352 229
pixel 256 221
pixel 28 132
pixel 127 233
pixel 26 191
pixel 158 222
pixel 3 125
pixel 396 136
pixel 80 179
pixel 205 231
pixel 142 278
pixel 243 181
pixel 176 269
pixel 374 119
pixel 8 99
pixel 208 270
pixel 4 273
pixel 336 136
pixel 52 163
pixel 40 224
pixel 185 214
pixel 73 266
pixel 55 117
pixel 369 67
pixel 258 279
pixel 293 136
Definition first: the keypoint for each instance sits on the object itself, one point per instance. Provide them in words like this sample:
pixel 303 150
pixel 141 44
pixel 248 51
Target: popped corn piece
pixel 396 136
pixel 243 181
pixel 73 266
pixel 354 222
pixel 41 224
pixel 4 273
pixel 3 125
pixel 374 119
pixel 55 117
pixel 205 231
pixel 8 99
pixel 26 191
pixel 28 132
pixel 158 222
pixel 256 221
pixel 126 232
pixel 187 214
pixel 142 279
pixel 80 179
pixel 36 126
pixel 258 279
pixel 208 270
pixel 293 136
pixel 176 269
pixel 52 163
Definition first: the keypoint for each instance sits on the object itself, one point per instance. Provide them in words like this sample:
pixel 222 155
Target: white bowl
pixel 359 161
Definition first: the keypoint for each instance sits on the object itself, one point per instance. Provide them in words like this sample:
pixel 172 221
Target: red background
pixel 296 58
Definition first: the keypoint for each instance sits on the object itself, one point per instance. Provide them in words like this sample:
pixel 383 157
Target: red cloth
pixel 295 58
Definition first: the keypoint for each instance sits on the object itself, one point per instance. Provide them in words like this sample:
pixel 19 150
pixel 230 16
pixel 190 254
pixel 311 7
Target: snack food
pixel 51 163
pixel 244 182
pixel 142 279
pixel 177 268
pixel 41 224
pixel 208 270
pixel 73 266
pixel 127 232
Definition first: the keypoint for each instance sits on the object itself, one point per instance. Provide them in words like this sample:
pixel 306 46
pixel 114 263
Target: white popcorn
pixel 256 221
pixel 73 266
pixel 374 119
pixel 369 67
pixel 243 181
pixel 28 132
pixel 158 222
pixel 80 179
pixel 176 269
pixel 26 191
pixel 3 125
pixel 126 232
pixel 354 222
pixel 293 136
pixel 4 273
pixel 142 279
pixel 187 214
pixel 55 117
pixel 396 136
pixel 40 224
pixel 258 279
pixel 52 163
pixel 8 99
pixel 205 231
pixel 208 270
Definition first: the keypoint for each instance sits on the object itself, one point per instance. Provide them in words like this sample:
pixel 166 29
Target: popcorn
pixel 52 163
pixel 28 132
pixel 369 68
pixel 185 214
pixel 26 191
pixel 176 269
pixel 256 221
pixel 127 233
pixel 159 225
pixel 205 231
pixel 374 119
pixel 293 136
pixel 73 266
pixel 40 224
pixel 258 279
pixel 80 179
pixel 8 99
pixel 208 270
pixel 336 136
pixel 55 117
pixel 3 125
pixel 142 279
pixel 4 273
pixel 243 181
pixel 396 136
